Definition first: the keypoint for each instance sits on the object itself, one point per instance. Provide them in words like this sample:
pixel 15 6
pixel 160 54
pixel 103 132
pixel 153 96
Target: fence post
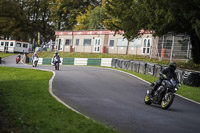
pixel 162 48
pixel 172 49
pixel 188 49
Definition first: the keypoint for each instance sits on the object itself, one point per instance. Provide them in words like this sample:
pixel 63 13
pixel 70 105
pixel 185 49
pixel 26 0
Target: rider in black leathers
pixel 168 72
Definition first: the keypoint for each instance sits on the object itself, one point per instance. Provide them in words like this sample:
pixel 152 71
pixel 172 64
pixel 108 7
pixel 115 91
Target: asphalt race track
pixel 117 100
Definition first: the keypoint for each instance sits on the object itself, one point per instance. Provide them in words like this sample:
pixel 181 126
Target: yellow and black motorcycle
pixel 164 95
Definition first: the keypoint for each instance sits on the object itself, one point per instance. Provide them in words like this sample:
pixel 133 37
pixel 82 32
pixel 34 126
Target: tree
pixel 12 20
pixel 162 17
pixel 96 18
pixel 92 19
pixel 64 12
pixel 82 20
pixel 177 18
pixel 125 15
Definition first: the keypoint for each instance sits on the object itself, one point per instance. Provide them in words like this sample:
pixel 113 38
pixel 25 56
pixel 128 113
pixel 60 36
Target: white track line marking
pixel 150 83
pixel 59 100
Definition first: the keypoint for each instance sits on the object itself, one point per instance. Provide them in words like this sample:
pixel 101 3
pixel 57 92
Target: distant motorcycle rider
pixel 56 56
pixel 34 59
pixel 19 56
pixel 34 55
pixel 169 73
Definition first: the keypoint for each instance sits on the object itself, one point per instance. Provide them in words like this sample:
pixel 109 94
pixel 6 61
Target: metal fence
pixel 171 48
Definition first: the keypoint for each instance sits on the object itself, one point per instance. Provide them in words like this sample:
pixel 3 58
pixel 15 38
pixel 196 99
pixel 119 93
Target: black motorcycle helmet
pixel 172 66
pixel 56 53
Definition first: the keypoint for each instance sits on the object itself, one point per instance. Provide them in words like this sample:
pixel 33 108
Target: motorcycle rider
pixel 56 55
pixel 169 73
pixel 34 55
pixel 19 56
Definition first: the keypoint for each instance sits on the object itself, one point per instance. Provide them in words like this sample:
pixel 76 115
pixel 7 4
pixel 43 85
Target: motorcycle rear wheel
pixel 166 103
pixel 147 100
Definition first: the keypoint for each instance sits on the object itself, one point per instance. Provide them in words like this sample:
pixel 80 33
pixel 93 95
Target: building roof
pixel 95 32
pixel 13 41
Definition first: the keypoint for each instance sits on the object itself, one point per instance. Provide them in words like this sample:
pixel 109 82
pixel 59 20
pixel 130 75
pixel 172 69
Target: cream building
pixel 103 41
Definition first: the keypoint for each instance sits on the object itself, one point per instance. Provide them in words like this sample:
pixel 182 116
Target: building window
pixel 122 42
pixel 87 42
pixel 25 45
pixel 146 46
pixel 11 44
pixel 135 43
pixel 77 42
pixel 111 44
pixel 68 42
pixel 2 43
pixel 18 45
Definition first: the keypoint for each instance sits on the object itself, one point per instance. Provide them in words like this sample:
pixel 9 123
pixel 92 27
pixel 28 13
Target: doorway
pixel 97 44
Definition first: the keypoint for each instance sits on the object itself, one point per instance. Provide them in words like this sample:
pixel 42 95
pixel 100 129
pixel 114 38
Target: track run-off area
pixel 116 99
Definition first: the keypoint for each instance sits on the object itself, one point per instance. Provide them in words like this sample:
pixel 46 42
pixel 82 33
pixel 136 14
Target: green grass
pixel 26 106
pixel 192 93
pixel 2 55
pixel 180 64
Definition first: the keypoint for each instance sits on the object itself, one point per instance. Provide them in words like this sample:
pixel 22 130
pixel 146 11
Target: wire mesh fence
pixel 171 48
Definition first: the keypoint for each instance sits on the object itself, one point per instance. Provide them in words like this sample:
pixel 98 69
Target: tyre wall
pixel 186 77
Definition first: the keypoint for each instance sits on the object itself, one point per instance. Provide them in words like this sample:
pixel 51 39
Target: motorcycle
pixel 164 95
pixel 57 61
pixel 35 61
pixel 18 59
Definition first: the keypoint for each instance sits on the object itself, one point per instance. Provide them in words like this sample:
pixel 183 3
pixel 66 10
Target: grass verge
pixel 192 93
pixel 26 106
pixel 2 55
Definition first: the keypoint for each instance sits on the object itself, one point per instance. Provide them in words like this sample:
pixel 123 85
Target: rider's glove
pixel 164 76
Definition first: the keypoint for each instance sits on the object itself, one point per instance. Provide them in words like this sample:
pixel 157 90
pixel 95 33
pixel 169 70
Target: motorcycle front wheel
pixel 56 66
pixel 147 100
pixel 35 64
pixel 167 100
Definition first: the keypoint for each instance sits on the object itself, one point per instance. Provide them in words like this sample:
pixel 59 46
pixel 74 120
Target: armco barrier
pixel 80 61
pixel 40 61
pixel 68 61
pixel 47 61
pixel 30 60
pixel 94 62
pixel 106 62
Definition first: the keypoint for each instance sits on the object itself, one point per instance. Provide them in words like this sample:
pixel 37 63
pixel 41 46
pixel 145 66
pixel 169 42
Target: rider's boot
pixel 154 88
